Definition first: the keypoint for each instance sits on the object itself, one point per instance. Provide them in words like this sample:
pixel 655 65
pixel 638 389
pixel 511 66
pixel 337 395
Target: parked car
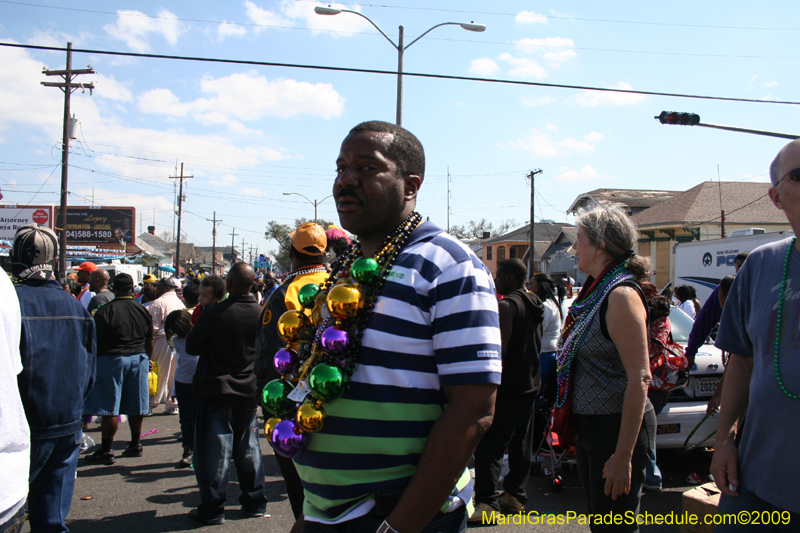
pixel 687 407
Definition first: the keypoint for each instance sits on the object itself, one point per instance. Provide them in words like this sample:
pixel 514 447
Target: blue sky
pixel 250 133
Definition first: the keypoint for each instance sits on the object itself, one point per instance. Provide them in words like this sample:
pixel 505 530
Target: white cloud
pixel 263 17
pixel 109 87
pixel 543 146
pixel 135 28
pixel 535 102
pixel 523 67
pixel 770 84
pixel 226 181
pixel 247 96
pixel 556 50
pixel 754 78
pixel 344 24
pixel 586 173
pixel 250 191
pixel 483 67
pixel 227 29
pixel 115 198
pixel 597 98
pixel 530 17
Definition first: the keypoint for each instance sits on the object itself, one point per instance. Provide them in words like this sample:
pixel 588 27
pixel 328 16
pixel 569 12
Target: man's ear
pixel 775 196
pixel 411 184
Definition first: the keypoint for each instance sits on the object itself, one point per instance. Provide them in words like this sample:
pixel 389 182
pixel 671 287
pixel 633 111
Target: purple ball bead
pixel 287 440
pixel 284 361
pixel 334 340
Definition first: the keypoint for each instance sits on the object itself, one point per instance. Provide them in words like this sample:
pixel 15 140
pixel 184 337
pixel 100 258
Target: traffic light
pixel 683 119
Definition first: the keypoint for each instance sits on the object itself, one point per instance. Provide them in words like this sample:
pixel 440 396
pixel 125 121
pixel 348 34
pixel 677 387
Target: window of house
pixel 501 253
pixel 489 253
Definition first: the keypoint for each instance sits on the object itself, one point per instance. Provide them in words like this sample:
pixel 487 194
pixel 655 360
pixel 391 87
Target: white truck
pixel 136 271
pixel 703 264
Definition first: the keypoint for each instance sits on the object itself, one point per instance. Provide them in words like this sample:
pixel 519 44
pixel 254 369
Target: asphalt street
pixel 150 494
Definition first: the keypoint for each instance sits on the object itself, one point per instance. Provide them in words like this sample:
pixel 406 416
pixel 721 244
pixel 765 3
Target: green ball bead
pixel 307 295
pixel 327 381
pixel 275 397
pixel 366 270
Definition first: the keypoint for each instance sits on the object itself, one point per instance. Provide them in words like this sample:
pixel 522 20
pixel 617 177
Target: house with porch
pixel 517 243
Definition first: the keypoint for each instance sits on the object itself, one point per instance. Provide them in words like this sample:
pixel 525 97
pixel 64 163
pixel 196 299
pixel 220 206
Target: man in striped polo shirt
pixel 393 452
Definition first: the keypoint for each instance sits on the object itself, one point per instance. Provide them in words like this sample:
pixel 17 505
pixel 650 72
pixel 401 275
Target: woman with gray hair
pixel 603 366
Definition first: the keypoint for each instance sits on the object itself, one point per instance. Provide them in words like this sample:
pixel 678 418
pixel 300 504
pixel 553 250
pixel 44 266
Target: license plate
pixel 705 387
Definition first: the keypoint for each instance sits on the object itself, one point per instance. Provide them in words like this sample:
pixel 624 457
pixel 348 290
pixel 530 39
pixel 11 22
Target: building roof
pixel 156 243
pixel 744 203
pixel 635 198
pixel 542 231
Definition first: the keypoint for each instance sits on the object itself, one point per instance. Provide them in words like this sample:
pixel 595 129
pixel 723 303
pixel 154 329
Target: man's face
pixel 83 277
pixel 502 282
pixel 372 196
pixel 269 280
pixel 786 195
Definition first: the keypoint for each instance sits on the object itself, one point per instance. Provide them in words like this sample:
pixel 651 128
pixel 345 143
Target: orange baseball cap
pixel 309 238
pixel 88 266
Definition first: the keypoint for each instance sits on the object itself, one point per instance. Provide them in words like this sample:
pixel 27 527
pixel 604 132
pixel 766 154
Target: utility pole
pixel 448 199
pixel 180 210
pixel 214 243
pixel 532 176
pixel 233 253
pixel 67 86
pixel 243 249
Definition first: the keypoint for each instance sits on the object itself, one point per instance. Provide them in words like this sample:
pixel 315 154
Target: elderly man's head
pixel 785 177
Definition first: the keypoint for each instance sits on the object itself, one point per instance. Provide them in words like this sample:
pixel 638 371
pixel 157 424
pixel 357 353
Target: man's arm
pixel 451 443
pixel 735 398
pixel 506 312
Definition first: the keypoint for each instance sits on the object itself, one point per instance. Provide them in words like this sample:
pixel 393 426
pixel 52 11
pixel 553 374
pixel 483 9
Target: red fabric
pixel 196 313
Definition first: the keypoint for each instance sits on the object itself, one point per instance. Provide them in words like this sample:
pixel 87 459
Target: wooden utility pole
pixel 233 253
pixel 532 176
pixel 214 243
pixel 67 86
pixel 243 249
pixel 180 206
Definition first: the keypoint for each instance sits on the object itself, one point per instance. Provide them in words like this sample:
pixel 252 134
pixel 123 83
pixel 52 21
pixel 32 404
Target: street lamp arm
pixel 298 194
pixel 373 24
pixel 430 30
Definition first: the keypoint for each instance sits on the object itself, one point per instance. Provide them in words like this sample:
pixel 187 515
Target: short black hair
pixel 241 277
pixel 725 284
pixel 217 285
pixel 405 149
pixel 515 267
pixel 741 256
pixel 305 259
pixel 191 292
pixel 659 306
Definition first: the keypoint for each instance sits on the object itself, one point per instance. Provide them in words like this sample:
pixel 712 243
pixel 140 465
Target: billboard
pixel 13 217
pixel 90 225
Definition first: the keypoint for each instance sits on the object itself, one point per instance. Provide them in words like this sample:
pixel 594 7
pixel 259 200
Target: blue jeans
pixel 748 501
pixel 455 522
pixel 52 481
pixel 226 429
pixel 14 523
pixel 652 474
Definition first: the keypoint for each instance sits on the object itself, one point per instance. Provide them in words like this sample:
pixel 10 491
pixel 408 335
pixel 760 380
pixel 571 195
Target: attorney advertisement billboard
pixel 88 225
pixel 13 217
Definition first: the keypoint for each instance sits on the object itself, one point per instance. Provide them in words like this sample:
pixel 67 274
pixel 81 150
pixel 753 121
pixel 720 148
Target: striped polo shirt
pixel 435 324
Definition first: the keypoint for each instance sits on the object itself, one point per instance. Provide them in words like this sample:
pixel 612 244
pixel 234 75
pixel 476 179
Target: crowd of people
pixel 384 373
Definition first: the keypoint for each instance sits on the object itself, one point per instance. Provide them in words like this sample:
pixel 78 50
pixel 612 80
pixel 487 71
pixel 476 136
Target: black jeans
pixel 187 405
pixel 511 428
pixel 595 443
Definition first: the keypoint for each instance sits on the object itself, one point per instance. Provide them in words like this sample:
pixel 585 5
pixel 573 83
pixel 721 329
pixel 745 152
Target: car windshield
pixel 681 325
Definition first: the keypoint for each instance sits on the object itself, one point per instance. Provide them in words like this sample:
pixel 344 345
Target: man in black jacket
pixel 521 313
pixel 224 338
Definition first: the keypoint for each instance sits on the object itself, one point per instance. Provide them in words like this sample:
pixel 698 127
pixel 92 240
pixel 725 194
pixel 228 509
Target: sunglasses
pixel 793 175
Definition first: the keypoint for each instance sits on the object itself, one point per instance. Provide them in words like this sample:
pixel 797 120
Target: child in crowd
pixel 212 290
pixel 176 327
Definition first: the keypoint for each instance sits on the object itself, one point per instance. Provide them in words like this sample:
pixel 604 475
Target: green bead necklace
pixel 778 322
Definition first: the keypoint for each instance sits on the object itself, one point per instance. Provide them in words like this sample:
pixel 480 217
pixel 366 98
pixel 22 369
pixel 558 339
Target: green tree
pixel 475 229
pixel 280 232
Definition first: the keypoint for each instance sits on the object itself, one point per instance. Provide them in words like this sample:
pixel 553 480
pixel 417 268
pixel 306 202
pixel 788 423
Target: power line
pixel 394 73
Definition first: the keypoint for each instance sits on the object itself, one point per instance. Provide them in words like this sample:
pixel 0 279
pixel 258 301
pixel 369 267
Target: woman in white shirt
pixel 689 303
pixel 546 289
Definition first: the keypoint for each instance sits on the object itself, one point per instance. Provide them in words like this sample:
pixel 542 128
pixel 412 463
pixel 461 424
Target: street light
pixel 312 202
pixel 469 26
